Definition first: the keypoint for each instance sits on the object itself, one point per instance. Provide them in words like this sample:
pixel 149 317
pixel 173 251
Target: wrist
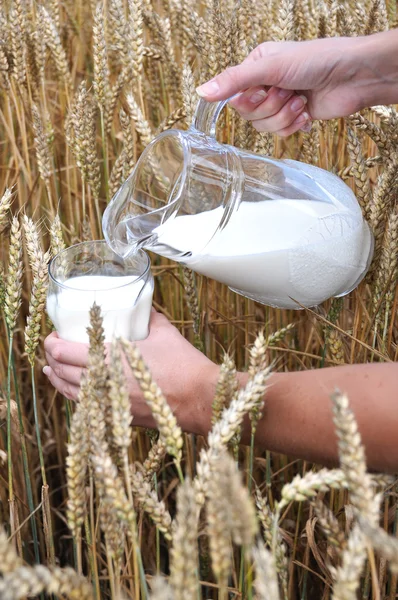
pixel 377 75
pixel 197 418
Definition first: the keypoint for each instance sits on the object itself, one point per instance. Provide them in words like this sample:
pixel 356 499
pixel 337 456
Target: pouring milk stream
pixel 280 232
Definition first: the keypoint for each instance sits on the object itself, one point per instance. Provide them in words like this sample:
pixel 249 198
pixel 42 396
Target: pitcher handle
pixel 206 116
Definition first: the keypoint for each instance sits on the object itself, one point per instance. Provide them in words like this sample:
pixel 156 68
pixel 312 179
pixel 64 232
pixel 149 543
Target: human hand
pixel 285 84
pixel 183 373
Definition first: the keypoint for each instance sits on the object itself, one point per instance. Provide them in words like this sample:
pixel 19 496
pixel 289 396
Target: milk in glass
pixel 124 308
pixel 91 273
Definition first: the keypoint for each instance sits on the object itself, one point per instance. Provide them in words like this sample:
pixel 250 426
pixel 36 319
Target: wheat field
pixel 91 507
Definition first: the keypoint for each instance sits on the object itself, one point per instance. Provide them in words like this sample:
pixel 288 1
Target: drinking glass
pixel 90 272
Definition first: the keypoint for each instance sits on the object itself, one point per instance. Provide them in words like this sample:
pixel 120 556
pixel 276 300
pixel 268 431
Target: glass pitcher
pixel 281 232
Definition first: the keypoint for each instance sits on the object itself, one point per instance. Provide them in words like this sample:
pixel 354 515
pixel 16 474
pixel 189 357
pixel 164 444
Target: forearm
pixel 378 56
pixel 298 417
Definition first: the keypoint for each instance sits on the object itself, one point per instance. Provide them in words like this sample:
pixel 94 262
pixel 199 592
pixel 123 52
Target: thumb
pixel 239 78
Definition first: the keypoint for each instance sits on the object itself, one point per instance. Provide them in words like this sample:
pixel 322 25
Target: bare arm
pixel 285 84
pixel 298 415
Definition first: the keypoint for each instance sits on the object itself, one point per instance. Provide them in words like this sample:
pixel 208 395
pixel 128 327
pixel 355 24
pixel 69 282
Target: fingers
pixel 235 79
pixel 276 111
pixel 65 388
pixel 156 319
pixel 69 373
pixel 303 123
pixel 70 353
pixel 292 112
pixel 257 103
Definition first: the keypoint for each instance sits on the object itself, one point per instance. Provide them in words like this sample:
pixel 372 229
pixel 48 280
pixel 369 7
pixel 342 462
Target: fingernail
pixel 258 96
pixel 303 118
pixel 208 89
pixel 307 127
pixel 305 121
pixel 298 103
pixel 47 370
pixel 284 93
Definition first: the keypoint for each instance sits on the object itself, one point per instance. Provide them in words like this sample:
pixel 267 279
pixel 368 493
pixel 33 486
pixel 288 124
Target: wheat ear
pixel 13 292
pixel 5 203
pixel 184 552
pixel 266 580
pixel 149 502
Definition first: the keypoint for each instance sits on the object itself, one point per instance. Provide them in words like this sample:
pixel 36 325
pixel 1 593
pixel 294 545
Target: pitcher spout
pixel 148 197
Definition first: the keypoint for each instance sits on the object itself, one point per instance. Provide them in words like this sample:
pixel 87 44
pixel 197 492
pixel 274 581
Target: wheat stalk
pixel 141 124
pixel 329 524
pixel 36 306
pixel 266 581
pixel 32 581
pixel 5 203
pixel 57 240
pixel 148 501
pixel 227 426
pixel 347 576
pixel 53 41
pixel 273 539
pixel 121 418
pixel 76 465
pixel 160 589
pixel 385 544
pixel 41 146
pixel 227 387
pixel 162 413
pixel 13 292
pixel 18 31
pixel 352 459
pixel 184 551
pixel 218 513
pixel 359 170
pixel 100 55
pixel 9 560
pixel 189 95
pixel 154 459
